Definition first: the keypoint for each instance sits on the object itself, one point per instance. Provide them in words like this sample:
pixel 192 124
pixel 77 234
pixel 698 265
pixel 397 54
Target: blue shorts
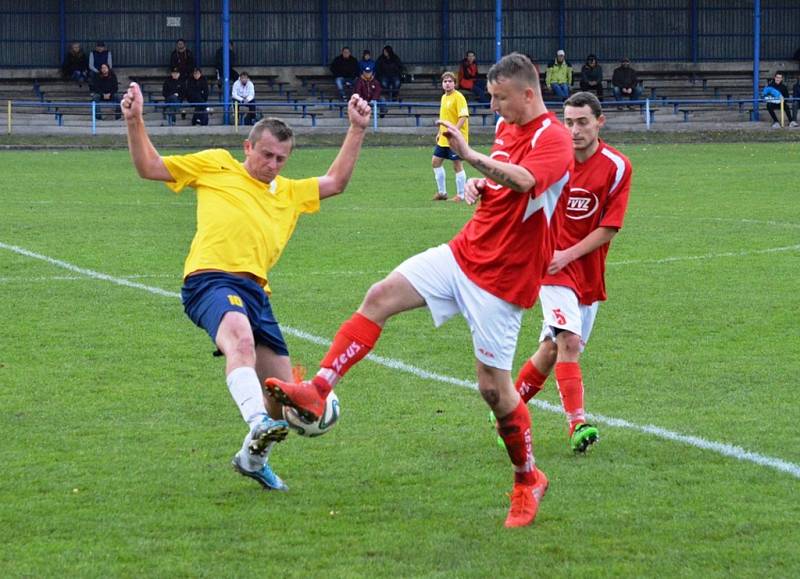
pixel 445 153
pixel 209 296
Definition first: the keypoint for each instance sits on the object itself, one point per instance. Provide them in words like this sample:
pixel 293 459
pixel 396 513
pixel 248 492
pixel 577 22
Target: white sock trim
pixel 441 181
pixel 245 389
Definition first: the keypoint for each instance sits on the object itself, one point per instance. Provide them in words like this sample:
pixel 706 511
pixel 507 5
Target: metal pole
pixel 647 113
pixel 198 35
pixel 375 116
pixel 562 24
pixel 693 24
pixel 62 27
pixel 94 117
pixel 323 26
pixel 498 30
pixel 445 32
pixel 756 55
pixel 8 117
pixel 226 61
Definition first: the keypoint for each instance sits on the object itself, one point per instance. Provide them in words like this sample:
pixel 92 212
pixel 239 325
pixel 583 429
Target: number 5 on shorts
pixel 559 316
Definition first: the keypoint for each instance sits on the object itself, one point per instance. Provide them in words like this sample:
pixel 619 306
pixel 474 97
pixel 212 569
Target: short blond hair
pixel 448 74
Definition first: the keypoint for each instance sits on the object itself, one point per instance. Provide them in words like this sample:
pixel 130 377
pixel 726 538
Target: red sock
pixel 530 381
pixel 352 342
pixel 570 386
pixel 515 428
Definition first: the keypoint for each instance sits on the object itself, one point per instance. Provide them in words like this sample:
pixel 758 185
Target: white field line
pixel 706 256
pixel 49 278
pixel 695 441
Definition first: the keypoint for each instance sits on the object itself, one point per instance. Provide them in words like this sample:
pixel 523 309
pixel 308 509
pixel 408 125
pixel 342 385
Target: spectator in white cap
pixel 559 76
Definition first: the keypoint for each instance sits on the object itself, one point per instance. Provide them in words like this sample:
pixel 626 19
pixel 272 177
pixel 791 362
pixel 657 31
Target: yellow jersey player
pixel 246 213
pixel 454 110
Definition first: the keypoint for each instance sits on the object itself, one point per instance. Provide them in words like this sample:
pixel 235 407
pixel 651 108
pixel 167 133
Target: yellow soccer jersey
pixel 453 106
pixel 242 224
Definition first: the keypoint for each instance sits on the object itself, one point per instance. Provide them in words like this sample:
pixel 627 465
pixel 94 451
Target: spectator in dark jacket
pixel 776 93
pixel 104 89
pixel 625 82
pixel 345 71
pixel 174 92
pixel 76 64
pixel 218 58
pixel 182 59
pixel 366 61
pixel 197 92
pixel 389 70
pixel 592 76
pixel 468 77
pixel 796 96
pixel 369 89
pixel 99 56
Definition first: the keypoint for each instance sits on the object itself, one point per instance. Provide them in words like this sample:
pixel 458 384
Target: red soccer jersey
pixel 598 197
pixel 507 245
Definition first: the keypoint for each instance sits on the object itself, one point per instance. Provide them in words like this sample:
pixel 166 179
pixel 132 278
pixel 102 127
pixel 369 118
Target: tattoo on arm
pixel 496 174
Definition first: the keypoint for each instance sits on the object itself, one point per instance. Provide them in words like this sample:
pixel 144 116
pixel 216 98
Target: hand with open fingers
pixel 358 111
pixel 457 142
pixel 473 190
pixel 132 102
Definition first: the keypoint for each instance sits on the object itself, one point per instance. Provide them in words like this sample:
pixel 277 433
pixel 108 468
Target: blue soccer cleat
pixel 265 433
pixel 265 477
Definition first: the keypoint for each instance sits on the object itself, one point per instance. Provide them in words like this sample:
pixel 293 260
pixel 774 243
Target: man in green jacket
pixel 559 76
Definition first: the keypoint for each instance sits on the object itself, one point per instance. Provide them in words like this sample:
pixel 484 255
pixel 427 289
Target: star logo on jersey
pixel 582 204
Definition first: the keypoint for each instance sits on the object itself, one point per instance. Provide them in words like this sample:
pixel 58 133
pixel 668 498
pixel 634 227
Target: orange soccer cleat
pixel 302 396
pixel 525 501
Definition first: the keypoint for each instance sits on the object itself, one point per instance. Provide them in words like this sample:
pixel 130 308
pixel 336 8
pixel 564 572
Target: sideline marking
pixel 706 256
pixel 729 450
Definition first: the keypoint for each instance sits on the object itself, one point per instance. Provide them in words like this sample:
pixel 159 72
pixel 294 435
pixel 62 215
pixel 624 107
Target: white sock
pixel 246 391
pixel 441 184
pixel 461 181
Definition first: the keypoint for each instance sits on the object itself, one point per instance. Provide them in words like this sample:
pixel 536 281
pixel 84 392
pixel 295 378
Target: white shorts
pixel 494 323
pixel 561 310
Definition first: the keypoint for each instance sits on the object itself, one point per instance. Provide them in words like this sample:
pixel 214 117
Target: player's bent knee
pixel 569 344
pixel 490 395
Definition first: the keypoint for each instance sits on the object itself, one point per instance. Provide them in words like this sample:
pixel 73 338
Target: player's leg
pixel 439 175
pixel 461 178
pixel 354 340
pixel 537 368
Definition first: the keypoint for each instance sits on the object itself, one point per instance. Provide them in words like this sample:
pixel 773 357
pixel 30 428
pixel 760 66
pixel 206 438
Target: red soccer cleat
pixel 302 396
pixel 525 501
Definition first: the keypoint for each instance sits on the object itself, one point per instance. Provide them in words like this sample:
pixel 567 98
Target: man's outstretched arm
pixel 340 171
pixel 145 158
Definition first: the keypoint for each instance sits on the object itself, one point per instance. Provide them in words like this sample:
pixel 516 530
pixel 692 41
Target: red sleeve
pixel 617 202
pixel 549 158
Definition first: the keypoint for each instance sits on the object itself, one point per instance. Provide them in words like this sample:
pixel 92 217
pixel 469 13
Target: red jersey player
pixel 489 273
pixel 575 285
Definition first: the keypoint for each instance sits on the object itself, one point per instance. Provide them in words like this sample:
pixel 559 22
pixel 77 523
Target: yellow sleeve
pixel 463 108
pixel 305 193
pixel 185 169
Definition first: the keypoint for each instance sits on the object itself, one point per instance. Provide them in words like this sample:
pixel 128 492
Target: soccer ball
pixel 317 427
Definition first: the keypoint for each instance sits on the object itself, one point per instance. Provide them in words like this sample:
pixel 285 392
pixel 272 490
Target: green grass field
pixel 117 428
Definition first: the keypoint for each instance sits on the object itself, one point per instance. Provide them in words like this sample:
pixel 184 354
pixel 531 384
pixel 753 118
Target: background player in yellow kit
pixel 454 110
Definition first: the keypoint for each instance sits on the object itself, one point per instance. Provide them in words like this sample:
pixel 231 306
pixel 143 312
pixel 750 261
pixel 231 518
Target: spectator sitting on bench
pixel 389 71
pixel 218 58
pixel 244 92
pixel 76 64
pixel 369 89
pixel 99 56
pixel 775 93
pixel 345 71
pixel 625 82
pixel 104 89
pixel 197 92
pixel 182 59
pixel 366 61
pixel 592 76
pixel 558 77
pixel 468 77
pixel 796 96
pixel 174 92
